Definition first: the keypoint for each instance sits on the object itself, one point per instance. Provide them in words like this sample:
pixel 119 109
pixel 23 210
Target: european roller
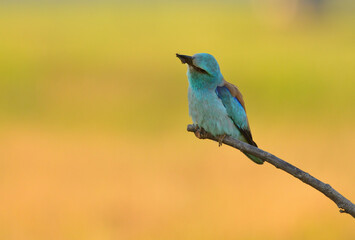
pixel 216 105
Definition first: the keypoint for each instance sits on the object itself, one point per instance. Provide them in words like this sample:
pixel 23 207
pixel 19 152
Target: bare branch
pixel 344 204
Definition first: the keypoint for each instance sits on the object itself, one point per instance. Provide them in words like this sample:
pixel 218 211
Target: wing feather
pixel 235 92
pixel 232 99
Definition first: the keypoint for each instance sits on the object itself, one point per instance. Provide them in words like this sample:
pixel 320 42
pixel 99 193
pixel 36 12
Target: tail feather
pixel 254 159
pixel 251 142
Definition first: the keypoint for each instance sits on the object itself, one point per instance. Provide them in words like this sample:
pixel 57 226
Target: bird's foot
pixel 220 139
pixel 200 133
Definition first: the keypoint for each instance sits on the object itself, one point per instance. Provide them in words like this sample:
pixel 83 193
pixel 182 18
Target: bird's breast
pixel 208 111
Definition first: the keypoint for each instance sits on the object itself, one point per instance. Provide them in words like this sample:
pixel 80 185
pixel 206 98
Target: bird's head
pixel 203 69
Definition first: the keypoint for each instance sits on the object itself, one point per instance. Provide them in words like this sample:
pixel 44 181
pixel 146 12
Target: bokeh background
pixel 93 113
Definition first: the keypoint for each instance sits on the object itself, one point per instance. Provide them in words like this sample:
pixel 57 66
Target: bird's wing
pixel 233 101
pixel 234 91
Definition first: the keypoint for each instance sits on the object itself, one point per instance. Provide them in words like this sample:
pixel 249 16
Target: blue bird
pixel 216 105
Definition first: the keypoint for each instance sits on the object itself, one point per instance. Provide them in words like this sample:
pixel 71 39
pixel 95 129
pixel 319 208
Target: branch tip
pixel 346 205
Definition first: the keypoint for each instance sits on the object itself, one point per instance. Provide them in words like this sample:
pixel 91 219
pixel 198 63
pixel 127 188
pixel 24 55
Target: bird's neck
pixel 204 82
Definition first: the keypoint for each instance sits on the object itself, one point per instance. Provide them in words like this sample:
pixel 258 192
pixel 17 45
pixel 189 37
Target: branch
pixel 343 204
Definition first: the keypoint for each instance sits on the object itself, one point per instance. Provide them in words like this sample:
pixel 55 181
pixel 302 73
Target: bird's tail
pixel 254 159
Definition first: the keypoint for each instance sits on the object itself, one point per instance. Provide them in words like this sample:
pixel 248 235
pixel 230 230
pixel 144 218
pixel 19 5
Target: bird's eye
pixel 200 70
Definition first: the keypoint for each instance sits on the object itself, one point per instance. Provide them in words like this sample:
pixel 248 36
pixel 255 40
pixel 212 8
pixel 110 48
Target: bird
pixel 216 105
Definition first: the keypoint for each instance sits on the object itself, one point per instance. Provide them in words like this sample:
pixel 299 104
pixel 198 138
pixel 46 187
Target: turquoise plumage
pixel 215 104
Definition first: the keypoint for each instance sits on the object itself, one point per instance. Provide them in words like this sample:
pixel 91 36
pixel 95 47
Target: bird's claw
pixel 220 139
pixel 200 133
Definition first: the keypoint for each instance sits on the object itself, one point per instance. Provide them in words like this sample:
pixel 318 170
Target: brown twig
pixel 344 204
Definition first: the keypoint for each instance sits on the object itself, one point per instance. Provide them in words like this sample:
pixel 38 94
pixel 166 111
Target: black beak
pixel 185 59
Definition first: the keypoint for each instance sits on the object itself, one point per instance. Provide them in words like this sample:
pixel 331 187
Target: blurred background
pixel 93 113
